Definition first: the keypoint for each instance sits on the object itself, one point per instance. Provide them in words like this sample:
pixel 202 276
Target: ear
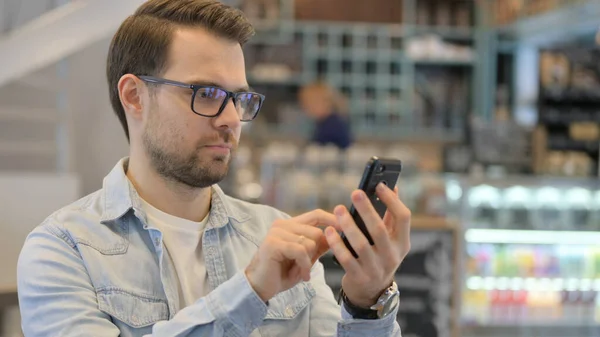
pixel 131 91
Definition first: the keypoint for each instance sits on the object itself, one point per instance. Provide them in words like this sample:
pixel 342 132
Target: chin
pixel 222 159
pixel 218 164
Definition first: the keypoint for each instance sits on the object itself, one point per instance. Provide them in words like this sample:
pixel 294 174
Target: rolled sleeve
pixel 351 327
pixel 237 305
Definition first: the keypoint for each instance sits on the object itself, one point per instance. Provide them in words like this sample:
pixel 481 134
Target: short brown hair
pixel 141 44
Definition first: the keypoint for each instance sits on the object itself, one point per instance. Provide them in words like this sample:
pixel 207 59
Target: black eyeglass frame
pixel 194 87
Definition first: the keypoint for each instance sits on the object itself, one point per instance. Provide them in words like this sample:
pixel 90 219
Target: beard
pixel 191 169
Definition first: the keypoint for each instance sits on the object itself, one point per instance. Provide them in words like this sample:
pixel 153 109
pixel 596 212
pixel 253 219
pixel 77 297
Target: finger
pixel 309 245
pixel 295 273
pixel 322 248
pixel 357 239
pixel 399 212
pixel 317 218
pixel 388 216
pixel 342 254
pixel 313 233
pixel 297 253
pixel 391 200
pixel 373 222
pixel 301 229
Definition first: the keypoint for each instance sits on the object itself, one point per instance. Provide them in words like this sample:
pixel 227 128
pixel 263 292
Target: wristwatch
pixel 386 304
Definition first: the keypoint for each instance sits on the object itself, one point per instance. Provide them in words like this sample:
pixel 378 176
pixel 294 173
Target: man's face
pixel 316 103
pixel 183 146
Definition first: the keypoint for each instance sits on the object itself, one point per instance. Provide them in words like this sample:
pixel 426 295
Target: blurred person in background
pixel 160 250
pixel 328 108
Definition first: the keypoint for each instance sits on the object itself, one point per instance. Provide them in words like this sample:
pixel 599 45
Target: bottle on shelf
pixel 595 218
pixel 549 209
pixel 596 263
pixel 534 303
pixel 579 208
pixel 521 311
pixel 517 208
pixel 476 307
pixel 588 301
pixel 597 314
pixel 485 201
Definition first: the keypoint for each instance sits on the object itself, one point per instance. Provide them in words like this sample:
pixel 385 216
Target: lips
pixel 224 146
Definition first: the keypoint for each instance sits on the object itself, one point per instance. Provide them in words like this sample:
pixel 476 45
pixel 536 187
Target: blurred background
pixel 492 105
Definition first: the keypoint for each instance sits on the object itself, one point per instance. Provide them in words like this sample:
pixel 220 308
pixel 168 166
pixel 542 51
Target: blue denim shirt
pixel 95 268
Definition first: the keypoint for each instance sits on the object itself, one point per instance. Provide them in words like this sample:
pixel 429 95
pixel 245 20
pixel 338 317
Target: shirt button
pixel 157 242
pixel 289 312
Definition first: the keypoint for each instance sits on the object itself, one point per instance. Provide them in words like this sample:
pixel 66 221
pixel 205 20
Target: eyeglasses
pixel 210 101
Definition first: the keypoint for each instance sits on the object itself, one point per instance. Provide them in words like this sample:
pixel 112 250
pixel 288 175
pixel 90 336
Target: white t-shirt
pixel 182 238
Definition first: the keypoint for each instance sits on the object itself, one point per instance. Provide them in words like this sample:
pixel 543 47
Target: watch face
pixel 388 301
pixel 390 305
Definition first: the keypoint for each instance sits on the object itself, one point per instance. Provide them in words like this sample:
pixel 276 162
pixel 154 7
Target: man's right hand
pixel 288 252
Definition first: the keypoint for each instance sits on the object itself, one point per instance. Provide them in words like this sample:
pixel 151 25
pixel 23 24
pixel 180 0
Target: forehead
pixel 314 91
pixel 196 54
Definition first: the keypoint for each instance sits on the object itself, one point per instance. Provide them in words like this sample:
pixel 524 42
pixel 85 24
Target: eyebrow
pixel 214 84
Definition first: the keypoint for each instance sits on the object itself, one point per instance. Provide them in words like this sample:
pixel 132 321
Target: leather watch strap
pixel 355 311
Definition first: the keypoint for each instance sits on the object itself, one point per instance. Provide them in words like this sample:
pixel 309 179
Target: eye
pixel 204 94
pixel 210 93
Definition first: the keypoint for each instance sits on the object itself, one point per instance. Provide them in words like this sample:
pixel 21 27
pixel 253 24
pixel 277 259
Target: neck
pixel 168 196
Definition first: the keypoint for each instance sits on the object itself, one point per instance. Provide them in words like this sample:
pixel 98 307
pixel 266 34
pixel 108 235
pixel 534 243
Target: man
pixel 328 109
pixel 160 250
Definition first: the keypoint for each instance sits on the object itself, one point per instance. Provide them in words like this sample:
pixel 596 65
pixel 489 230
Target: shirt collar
pixel 120 197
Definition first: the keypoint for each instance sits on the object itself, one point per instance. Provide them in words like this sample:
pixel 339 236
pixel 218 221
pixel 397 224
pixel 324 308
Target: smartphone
pixel 377 170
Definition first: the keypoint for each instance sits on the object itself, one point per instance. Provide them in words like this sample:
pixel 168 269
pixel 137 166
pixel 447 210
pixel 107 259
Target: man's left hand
pixel 373 271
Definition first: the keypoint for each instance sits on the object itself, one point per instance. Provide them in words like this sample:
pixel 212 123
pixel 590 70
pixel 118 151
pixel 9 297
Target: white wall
pixel 99 141
pixel 96 139
pixel 15 13
pixel 26 199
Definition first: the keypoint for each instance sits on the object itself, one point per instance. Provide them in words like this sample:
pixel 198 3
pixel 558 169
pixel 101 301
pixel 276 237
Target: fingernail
pixel 329 231
pixel 380 187
pixel 339 211
pixel 360 196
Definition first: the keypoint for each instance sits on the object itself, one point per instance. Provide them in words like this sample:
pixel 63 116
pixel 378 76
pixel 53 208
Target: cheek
pixel 238 132
pixel 166 134
pixel 185 133
pixel 174 124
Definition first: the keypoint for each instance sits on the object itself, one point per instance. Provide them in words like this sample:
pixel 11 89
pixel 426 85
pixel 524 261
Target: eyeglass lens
pixel 209 100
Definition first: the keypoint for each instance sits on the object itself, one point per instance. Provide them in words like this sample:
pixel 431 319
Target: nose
pixel 229 117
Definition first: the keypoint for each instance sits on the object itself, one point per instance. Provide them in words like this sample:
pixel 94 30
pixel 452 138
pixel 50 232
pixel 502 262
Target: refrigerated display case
pixel 532 255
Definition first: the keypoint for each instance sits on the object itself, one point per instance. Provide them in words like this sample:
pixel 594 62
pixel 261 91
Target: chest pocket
pixel 136 311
